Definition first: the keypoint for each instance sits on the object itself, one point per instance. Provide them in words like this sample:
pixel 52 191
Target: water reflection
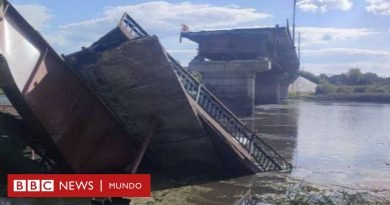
pixel 346 144
pixel 278 126
pixel 332 144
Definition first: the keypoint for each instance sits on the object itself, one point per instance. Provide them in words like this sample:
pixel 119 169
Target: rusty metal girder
pixel 63 112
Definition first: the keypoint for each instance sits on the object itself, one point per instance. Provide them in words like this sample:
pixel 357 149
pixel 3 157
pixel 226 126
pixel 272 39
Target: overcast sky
pixel 336 34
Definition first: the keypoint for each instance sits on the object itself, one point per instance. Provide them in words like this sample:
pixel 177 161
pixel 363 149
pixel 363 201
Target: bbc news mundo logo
pixel 79 185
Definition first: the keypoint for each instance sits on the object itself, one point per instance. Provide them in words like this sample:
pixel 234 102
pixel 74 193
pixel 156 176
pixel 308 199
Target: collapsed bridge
pixel 121 104
pixel 245 67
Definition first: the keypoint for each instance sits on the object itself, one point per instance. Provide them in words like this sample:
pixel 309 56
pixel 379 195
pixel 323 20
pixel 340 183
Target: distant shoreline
pixel 378 98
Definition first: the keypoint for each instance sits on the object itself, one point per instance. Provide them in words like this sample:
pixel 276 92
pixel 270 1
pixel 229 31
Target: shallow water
pixel 344 144
pixel 332 146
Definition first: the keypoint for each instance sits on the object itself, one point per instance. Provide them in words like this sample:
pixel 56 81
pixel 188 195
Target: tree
pixel 369 78
pixel 341 79
pixel 354 76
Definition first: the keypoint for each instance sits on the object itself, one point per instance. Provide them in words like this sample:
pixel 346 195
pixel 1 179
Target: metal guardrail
pixel 265 157
pixel 132 26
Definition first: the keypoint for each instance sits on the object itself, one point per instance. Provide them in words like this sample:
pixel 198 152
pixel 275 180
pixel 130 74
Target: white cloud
pixel 378 7
pixel 368 60
pixel 324 5
pixel 345 51
pixel 157 17
pixel 38 16
pixel 198 16
pixel 314 36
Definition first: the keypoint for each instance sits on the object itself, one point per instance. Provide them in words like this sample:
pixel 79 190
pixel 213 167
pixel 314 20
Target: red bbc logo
pixel 33 186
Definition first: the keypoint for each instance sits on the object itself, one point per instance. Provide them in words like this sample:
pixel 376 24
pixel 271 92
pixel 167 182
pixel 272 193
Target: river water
pixel 346 144
pixel 331 145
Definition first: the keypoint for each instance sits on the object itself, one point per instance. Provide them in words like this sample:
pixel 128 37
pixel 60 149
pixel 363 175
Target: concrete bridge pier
pixel 283 91
pixel 242 47
pixel 233 82
pixel 268 88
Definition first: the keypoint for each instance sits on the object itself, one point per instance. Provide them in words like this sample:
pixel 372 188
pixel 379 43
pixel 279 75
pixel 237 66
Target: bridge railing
pixel 265 157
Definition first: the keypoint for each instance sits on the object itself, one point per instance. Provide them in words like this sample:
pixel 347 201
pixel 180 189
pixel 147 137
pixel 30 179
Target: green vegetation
pixel 305 195
pixel 351 86
pixel 1 92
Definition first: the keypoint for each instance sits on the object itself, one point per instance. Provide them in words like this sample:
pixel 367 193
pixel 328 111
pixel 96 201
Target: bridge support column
pixel 233 82
pixel 283 92
pixel 267 89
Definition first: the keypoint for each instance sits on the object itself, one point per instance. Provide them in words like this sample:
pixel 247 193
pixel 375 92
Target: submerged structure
pixel 121 103
pixel 246 67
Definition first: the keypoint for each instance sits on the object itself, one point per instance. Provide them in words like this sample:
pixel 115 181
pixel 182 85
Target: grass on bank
pixel 302 193
pixel 299 194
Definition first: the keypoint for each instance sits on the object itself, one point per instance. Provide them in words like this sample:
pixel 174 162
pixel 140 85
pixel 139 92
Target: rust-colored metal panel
pixel 56 103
